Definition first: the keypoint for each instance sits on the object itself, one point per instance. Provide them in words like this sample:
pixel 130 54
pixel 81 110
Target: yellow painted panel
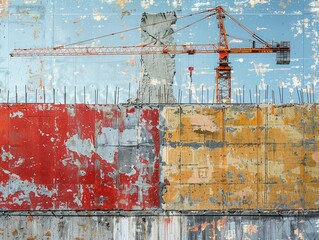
pixel 171 155
pixel 203 174
pixel 172 118
pixel 205 196
pixel 237 157
pixel 284 173
pixel 285 152
pixel 173 197
pixel 201 124
pixel 282 134
pixel 243 116
pixel 283 196
pixel 242 196
pixel 311 195
pixel 242 135
pixel 172 174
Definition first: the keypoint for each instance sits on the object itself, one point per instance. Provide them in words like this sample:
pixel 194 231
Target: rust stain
pixel 15 232
pixel 36 34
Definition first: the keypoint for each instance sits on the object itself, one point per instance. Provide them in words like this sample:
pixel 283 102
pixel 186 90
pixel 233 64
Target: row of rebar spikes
pixel 304 95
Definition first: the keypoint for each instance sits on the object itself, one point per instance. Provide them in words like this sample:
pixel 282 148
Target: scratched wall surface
pixel 159 227
pixel 79 157
pixel 241 157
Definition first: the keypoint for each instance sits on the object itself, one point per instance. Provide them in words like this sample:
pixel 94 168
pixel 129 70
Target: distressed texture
pixel 79 157
pixel 174 171
pixel 159 227
pixel 158 70
pixel 236 157
pixel 241 157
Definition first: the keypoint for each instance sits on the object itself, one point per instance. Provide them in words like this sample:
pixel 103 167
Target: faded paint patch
pixel 16 114
pixel 266 155
pixel 122 3
pixel 5 156
pixel 80 146
pixel 315 156
pixel 4 4
pixel 253 3
pixel 98 16
pixel 24 189
pixel 203 123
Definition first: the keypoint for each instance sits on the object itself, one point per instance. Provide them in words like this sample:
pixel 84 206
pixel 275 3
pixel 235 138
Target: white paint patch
pixel 235 41
pixel 261 68
pixel 16 114
pixel 147 3
pixel 239 60
pixel 107 143
pixel 261 28
pixel 19 162
pixel 98 16
pixel 12 175
pixel 296 81
pixel 5 155
pixel 30 1
pixel 71 111
pixel 314 7
pixel 156 81
pixel 255 2
pixel 78 196
pixel 82 147
pixel 201 4
pixel 25 188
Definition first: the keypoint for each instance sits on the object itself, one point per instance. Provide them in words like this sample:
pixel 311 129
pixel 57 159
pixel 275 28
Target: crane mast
pixel 223 70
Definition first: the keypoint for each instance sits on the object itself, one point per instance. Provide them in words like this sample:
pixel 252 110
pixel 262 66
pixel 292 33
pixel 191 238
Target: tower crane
pixel 223 70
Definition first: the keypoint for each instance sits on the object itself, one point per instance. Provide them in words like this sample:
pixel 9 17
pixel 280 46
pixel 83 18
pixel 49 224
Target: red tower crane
pixel 223 70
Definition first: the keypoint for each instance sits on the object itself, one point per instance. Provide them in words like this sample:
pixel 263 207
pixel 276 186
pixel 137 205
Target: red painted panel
pixel 81 157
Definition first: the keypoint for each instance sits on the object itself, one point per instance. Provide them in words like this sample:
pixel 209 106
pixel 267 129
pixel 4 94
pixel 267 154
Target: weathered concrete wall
pixel 111 157
pixel 79 157
pixel 241 157
pixel 159 172
pixel 158 227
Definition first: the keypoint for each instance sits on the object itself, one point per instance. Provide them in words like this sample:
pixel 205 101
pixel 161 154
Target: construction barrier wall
pixel 176 171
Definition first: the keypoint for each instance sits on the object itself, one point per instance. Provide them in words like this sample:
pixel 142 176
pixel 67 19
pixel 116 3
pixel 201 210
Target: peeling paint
pixel 81 147
pixel 16 114
pixel 79 157
pixel 262 164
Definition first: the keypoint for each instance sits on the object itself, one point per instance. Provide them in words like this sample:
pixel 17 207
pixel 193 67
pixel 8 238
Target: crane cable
pixel 178 30
pixel 240 38
pixel 254 35
pixel 139 27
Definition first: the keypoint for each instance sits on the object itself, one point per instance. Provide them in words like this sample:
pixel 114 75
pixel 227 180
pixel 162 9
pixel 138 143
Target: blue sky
pixel 48 23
